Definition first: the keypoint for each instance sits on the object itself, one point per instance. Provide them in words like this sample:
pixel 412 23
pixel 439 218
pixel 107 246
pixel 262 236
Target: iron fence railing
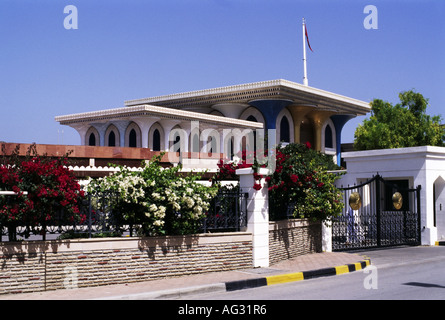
pixel 281 211
pixel 228 212
pixel 99 216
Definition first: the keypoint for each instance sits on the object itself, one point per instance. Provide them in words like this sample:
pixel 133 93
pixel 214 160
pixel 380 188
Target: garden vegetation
pixel 162 201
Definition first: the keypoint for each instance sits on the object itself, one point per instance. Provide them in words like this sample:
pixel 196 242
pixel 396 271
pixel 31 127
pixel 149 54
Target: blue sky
pixel 132 49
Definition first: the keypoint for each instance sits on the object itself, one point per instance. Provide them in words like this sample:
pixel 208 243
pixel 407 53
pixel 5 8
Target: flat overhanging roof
pixel 156 111
pixel 244 93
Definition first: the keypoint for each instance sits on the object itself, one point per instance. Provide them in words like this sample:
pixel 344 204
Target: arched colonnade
pixel 292 124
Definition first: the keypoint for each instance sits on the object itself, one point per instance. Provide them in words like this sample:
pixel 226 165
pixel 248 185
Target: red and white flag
pixel 307 37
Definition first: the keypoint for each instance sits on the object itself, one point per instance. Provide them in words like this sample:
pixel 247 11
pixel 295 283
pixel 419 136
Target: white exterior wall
pixel 423 166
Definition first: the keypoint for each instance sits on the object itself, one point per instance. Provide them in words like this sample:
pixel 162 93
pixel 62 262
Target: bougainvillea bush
pixel 43 187
pixel 160 199
pixel 301 179
pixel 227 169
pixel 9 208
pixel 51 186
pixel 301 182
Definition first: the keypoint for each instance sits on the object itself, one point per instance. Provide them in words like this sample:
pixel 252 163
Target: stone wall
pixel 291 238
pixel 51 265
pixel 32 266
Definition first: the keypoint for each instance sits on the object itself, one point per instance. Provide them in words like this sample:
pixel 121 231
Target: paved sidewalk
pixel 302 267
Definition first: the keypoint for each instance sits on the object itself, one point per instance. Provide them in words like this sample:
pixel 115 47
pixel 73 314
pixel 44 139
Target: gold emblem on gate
pixel 397 200
pixel 355 201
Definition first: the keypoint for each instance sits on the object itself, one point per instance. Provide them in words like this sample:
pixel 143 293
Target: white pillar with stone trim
pixel 257 214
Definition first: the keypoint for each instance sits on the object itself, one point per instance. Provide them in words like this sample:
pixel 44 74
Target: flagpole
pixel 305 81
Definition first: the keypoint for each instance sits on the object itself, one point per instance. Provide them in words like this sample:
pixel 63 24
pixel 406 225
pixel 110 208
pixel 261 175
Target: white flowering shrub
pixel 159 199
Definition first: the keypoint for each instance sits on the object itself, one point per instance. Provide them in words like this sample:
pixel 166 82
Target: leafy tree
pixel 405 124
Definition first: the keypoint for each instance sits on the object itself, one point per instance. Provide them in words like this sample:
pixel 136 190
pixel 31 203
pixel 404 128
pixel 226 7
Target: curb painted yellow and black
pixel 440 243
pixel 296 276
pixel 246 284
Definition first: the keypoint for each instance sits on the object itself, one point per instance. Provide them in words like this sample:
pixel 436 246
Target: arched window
pixel 112 139
pixel 253 114
pixel 210 141
pixel 156 140
pixel 132 139
pixel 231 148
pixel 251 118
pixel 177 143
pixel 178 140
pixel 156 137
pixel 92 139
pixel 284 130
pixel 228 147
pixel 328 142
pixel 211 145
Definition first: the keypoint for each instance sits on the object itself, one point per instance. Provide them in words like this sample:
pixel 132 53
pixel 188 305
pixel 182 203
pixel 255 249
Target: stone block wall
pixel 291 238
pixel 32 266
pixel 50 265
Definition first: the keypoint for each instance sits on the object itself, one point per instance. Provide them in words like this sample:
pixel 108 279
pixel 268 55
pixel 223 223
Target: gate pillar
pixel 326 237
pixel 257 214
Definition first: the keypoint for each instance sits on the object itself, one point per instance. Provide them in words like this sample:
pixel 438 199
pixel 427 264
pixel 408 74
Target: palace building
pixel 216 120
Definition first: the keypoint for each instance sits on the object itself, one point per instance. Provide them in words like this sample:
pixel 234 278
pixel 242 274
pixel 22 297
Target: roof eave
pixel 287 89
pixel 149 110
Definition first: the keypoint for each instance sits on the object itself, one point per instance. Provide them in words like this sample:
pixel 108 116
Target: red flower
pixel 294 178
pixel 16 189
pixel 257 176
pixel 64 203
pixel 257 186
pixel 308 144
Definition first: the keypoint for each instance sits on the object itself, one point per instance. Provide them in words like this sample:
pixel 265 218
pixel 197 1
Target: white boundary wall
pixel 423 166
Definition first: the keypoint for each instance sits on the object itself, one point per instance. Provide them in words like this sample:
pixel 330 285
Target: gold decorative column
pixel 319 117
pixel 298 113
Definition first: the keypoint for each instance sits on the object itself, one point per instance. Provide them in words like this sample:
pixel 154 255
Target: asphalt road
pixel 403 273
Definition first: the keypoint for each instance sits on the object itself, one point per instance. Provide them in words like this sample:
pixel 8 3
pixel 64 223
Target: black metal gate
pixel 378 213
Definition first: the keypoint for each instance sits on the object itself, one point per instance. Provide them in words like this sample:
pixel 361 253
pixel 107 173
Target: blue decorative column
pixel 270 110
pixel 339 121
